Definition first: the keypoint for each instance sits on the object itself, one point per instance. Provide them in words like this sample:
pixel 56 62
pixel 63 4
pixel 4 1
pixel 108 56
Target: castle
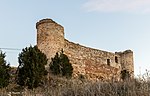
pixel 92 63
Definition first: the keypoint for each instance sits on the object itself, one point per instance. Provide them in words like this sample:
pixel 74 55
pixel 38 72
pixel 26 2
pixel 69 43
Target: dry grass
pixel 74 87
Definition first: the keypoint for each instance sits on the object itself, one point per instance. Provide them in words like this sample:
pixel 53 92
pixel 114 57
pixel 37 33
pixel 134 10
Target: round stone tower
pixel 127 62
pixel 50 37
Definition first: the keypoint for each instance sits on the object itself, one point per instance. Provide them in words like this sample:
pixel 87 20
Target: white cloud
pixel 118 5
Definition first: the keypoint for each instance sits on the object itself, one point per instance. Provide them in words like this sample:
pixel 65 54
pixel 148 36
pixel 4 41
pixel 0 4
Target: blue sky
pixel 111 25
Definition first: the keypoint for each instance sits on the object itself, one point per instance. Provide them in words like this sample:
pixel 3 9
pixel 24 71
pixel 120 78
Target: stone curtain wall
pixel 92 63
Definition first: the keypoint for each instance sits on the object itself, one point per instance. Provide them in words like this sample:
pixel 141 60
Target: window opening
pixel 116 59
pixel 108 62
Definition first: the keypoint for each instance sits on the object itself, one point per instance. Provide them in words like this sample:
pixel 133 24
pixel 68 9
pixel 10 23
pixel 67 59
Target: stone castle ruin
pixel 89 62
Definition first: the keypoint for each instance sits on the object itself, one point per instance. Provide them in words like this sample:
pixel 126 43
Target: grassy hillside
pixel 57 86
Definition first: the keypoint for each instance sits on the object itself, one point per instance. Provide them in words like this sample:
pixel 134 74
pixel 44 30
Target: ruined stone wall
pixel 92 63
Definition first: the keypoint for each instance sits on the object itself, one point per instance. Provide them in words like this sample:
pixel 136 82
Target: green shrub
pixel 31 70
pixel 60 65
pixel 4 71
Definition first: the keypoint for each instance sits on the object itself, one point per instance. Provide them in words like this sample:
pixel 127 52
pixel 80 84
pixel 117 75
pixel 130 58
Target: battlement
pixel 93 63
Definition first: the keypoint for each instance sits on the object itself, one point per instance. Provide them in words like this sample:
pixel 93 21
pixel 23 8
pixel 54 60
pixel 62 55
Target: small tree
pixel 60 65
pixel 4 71
pixel 31 70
